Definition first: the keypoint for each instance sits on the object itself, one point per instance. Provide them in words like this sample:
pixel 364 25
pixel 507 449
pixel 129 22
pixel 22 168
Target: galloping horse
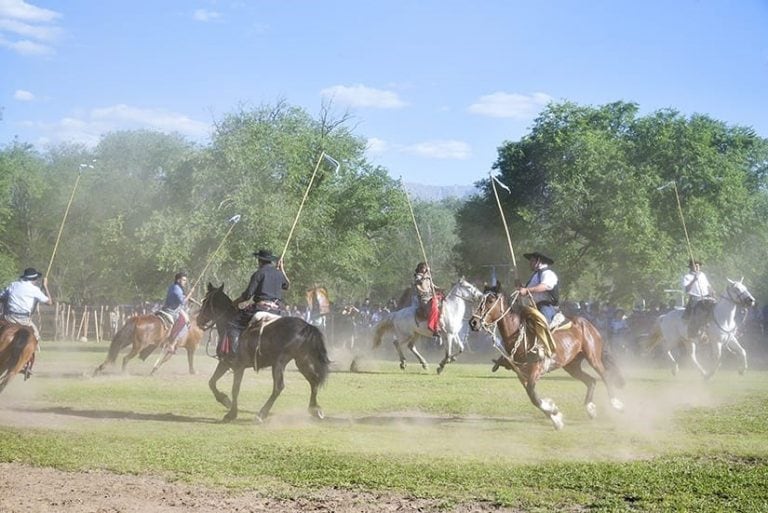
pixel 720 329
pixel 580 341
pixel 406 329
pixel 145 333
pixel 17 351
pixel 280 341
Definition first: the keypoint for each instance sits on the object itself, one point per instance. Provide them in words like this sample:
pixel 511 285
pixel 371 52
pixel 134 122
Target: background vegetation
pixel 584 188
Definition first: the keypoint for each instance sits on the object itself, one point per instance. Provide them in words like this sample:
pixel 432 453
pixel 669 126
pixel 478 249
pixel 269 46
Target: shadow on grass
pixel 117 414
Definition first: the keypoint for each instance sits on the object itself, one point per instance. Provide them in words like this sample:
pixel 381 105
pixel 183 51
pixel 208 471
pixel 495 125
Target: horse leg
pixel 575 370
pixel 447 358
pixel 237 380
pixel 546 405
pixel 314 383
pixel 718 348
pixel 278 384
pixel 164 357
pixel 221 397
pixel 131 354
pixel 735 347
pixel 675 366
pixel 400 354
pixel 191 360
pixel 696 361
pixel 412 347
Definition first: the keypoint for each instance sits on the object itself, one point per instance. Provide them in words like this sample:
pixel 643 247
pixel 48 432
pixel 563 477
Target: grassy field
pixel 681 445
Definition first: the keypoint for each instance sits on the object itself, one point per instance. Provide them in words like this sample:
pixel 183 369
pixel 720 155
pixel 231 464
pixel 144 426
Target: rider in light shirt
pixel 21 297
pixel 697 287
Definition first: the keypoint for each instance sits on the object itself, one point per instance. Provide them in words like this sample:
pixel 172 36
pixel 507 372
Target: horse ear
pixel 210 287
pixel 741 280
pixel 730 281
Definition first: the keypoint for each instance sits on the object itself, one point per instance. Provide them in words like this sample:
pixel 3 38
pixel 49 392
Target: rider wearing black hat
pixel 265 288
pixel 21 297
pixel 542 286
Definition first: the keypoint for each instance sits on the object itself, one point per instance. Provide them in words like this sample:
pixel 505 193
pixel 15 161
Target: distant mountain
pixel 439 192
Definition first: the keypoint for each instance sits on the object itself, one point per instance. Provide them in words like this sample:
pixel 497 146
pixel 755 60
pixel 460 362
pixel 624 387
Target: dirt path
pixel 25 489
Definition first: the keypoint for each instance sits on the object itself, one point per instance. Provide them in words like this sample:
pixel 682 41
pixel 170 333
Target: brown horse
pixel 145 333
pixel 17 351
pixel 524 354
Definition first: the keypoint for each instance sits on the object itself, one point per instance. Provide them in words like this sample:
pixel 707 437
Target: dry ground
pixel 25 489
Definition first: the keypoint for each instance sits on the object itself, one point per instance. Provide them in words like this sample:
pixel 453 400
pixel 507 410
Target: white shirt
pixel 700 288
pixel 548 278
pixel 22 296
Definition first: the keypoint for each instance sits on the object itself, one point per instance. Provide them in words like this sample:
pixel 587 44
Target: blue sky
pixel 434 86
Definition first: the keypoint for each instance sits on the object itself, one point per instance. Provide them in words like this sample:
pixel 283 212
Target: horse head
pixel 738 293
pixel 468 292
pixel 215 304
pixel 491 309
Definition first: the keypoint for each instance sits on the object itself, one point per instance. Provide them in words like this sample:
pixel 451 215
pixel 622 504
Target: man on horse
pixel 20 299
pixel 174 308
pixel 266 289
pixel 427 297
pixel 700 297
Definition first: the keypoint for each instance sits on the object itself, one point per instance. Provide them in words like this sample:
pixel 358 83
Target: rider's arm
pixel 287 282
pixel 46 292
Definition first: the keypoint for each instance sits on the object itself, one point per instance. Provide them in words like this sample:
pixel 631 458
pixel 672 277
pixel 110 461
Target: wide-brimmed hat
pixel 265 254
pixel 30 273
pixel 541 256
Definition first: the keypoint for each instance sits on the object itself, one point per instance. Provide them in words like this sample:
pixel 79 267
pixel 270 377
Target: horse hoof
pixel 258 420
pixel 317 413
pixel 402 365
pixel 617 404
pixel 229 417
pixel 424 366
pixel 591 410
pixel 557 421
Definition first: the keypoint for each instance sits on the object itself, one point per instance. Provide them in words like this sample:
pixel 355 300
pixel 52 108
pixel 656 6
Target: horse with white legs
pixel 719 328
pixel 407 328
pixel 521 329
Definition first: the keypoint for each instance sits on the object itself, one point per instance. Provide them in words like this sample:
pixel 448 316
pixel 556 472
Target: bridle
pixel 742 297
pixel 464 285
pixel 208 305
pixel 491 326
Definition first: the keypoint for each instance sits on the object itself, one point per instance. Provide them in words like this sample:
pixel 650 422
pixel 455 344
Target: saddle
pixel 166 318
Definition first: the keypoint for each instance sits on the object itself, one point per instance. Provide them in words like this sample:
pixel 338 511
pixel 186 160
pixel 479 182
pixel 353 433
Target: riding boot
pixel 496 364
pixel 234 340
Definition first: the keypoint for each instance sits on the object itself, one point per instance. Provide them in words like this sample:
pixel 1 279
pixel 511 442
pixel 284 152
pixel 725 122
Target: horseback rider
pixel 426 297
pixel 20 299
pixel 700 294
pixel 174 307
pixel 266 289
pixel 542 286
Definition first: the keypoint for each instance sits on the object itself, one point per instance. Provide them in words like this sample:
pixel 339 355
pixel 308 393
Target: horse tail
pixel 314 343
pixel 384 325
pixel 122 338
pixel 612 368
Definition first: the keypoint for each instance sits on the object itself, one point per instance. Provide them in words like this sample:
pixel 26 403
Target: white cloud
pixel 21 10
pixel 23 96
pixel 510 105
pixel 440 149
pixel 205 15
pixel 362 96
pixel 376 146
pixel 27 29
pixel 87 128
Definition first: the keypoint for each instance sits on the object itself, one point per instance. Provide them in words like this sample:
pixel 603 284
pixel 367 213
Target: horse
pixel 17 351
pixel 574 343
pixel 720 329
pixel 145 333
pixel 279 342
pixel 318 306
pixel 407 329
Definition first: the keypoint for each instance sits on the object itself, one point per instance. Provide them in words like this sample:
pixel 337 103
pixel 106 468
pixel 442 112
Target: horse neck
pixel 509 322
pixel 725 310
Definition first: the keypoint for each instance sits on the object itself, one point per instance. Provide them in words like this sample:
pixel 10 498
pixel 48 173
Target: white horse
pixel 406 329
pixel 720 329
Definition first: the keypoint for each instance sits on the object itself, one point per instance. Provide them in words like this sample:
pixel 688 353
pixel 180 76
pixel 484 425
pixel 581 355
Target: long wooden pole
pixel 64 219
pixel 506 230
pixel 233 221
pixel 673 183
pixel 418 236
pixel 301 205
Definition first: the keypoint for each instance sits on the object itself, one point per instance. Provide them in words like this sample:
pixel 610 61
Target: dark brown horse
pixel 17 351
pixel 282 340
pixel 144 334
pixel 526 356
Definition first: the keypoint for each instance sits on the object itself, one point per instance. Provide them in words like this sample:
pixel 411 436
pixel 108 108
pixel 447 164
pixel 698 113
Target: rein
pixel 727 296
